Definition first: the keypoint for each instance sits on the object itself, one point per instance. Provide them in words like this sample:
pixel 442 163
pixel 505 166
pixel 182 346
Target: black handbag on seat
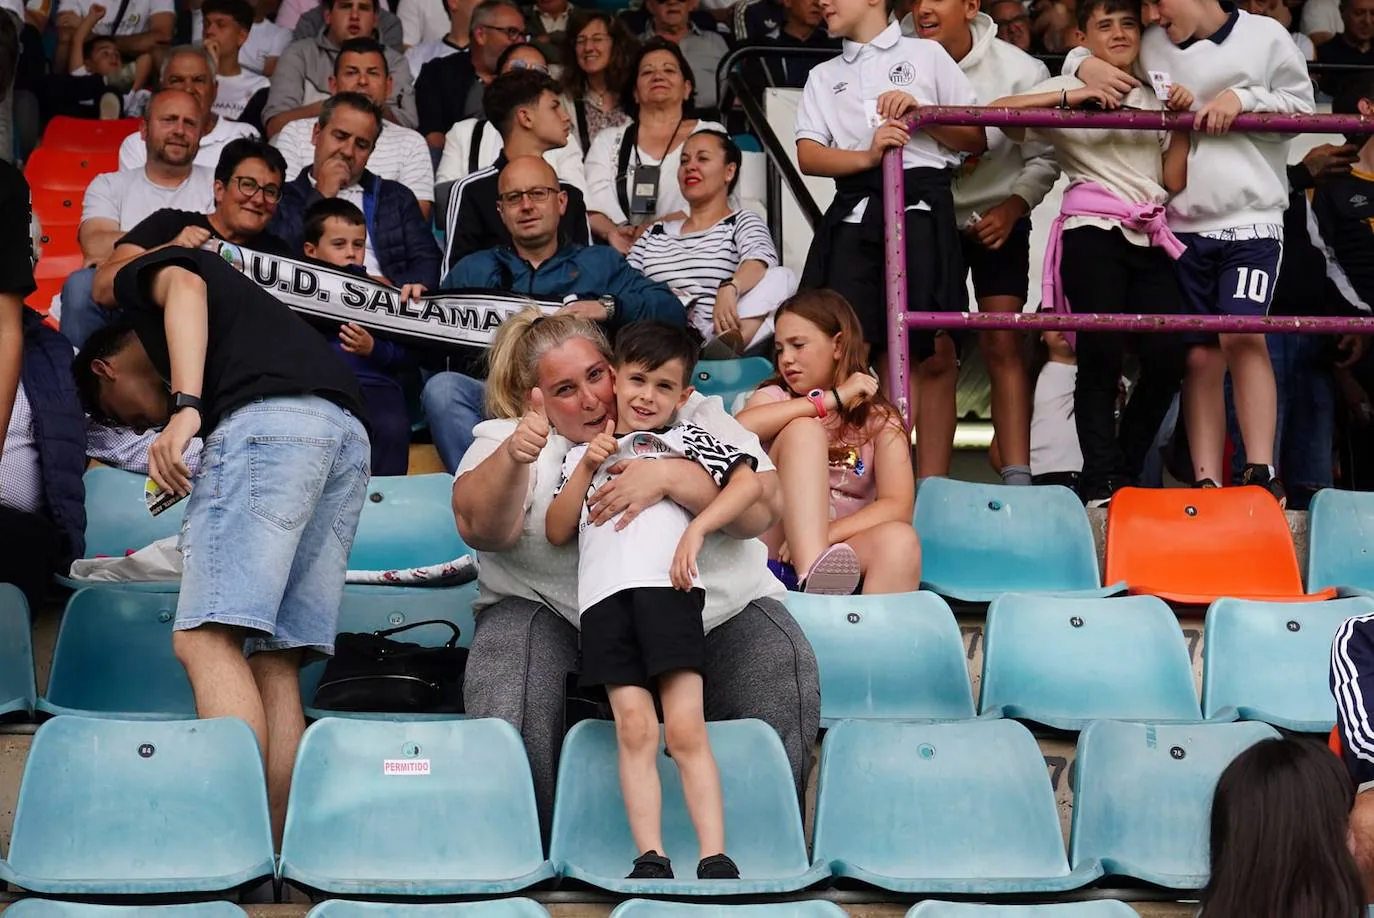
pixel 371 672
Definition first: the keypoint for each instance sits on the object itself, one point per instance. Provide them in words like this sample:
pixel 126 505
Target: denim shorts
pixel 270 522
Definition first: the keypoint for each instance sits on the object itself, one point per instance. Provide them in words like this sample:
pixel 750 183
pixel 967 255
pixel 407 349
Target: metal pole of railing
pixel 773 148
pixel 894 200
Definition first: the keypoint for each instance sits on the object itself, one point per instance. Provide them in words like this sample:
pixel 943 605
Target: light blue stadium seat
pixel 374 610
pixel 1065 662
pixel 729 378
pixel 117 519
pixel 114 658
pixel 1100 908
pixel 648 908
pixel 462 821
pixel 16 654
pixel 895 657
pixel 1270 661
pixel 763 824
pixel 1143 797
pixel 959 808
pixel 500 908
pixel 981 540
pixel 47 908
pixel 118 522
pixel 127 808
pixel 407 521
pixel 1340 533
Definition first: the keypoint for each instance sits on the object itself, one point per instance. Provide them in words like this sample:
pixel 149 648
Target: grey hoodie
pixel 303 72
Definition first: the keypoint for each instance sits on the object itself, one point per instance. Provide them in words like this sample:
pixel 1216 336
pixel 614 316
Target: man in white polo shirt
pixel 401 154
pixel 138 26
pixel 116 202
pixel 191 70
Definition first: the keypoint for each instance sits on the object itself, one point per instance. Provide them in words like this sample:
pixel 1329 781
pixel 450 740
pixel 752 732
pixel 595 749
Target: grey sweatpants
pixel 758 664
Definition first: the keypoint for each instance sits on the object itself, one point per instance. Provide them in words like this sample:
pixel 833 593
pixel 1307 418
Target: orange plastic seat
pixel 58 266
pixel 1194 546
pixel 68 169
pixel 57 206
pixel 59 240
pixel 65 133
pixel 48 288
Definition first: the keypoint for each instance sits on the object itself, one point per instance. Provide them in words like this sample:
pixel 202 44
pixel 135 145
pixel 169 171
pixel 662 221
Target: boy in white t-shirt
pixel 637 597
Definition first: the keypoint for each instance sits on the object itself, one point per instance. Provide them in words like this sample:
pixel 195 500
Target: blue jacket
pixel 397 231
pixel 59 429
pixel 584 271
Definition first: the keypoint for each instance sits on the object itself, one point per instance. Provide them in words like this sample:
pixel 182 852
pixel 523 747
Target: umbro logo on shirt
pixel 839 88
pixel 1358 200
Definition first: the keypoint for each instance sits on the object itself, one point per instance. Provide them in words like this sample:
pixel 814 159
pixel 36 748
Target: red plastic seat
pixel 41 299
pixel 58 240
pixel 68 169
pixel 65 133
pixel 1194 546
pixel 58 266
pixel 57 206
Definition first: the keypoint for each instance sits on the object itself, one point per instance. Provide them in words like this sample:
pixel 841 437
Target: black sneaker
pixel 1206 484
pixel 717 867
pixel 652 866
pixel 1101 495
pixel 1259 475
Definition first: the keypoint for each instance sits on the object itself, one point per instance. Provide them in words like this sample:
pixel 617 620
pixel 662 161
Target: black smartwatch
pixel 181 400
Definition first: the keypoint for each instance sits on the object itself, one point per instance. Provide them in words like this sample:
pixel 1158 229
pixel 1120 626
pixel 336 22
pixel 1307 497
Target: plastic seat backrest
pixel 951 807
pixel 727 378
pixel 56 206
pixel 406 521
pixel 591 838
pixel 162 807
pixel 1099 908
pixel 16 653
pixel 69 169
pixel 117 519
pixel 48 908
pixel 1271 661
pixel 1340 540
pixel 58 264
pixel 114 658
pixel 65 133
pixel 980 540
pixel 42 297
pixel 498 908
pixel 1192 545
pixel 895 656
pixel 647 908
pixel 1143 796
pixel 422 808
pixel 1059 661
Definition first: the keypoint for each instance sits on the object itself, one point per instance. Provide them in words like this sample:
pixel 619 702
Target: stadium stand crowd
pixel 332 335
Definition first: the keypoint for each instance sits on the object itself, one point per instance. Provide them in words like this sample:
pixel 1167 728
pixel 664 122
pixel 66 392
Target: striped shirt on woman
pixel 696 264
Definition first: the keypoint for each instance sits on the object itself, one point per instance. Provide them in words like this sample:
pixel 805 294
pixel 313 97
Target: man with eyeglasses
pixel 400 245
pixel 305 69
pixel 450 88
pixel 594 282
pixel 1013 22
pixel 524 106
pixel 400 154
pixel 247 186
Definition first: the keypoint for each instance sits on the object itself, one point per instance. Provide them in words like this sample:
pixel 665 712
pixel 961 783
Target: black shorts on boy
pixel 634 636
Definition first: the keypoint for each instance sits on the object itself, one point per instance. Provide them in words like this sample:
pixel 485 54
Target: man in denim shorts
pixel 274 507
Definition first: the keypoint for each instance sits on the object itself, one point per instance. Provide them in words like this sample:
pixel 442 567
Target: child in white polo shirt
pixel 993 197
pixel 1230 215
pixel 638 593
pixel 854 109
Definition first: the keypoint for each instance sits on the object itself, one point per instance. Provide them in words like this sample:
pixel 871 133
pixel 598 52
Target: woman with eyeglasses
pixel 474 143
pixel 597 57
pixel 632 171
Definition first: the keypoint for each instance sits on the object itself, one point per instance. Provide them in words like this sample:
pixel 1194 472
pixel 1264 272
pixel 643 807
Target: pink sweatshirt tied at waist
pixel 1089 199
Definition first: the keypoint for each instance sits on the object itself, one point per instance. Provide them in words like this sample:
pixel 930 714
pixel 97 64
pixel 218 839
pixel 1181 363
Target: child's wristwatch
pixel 817 398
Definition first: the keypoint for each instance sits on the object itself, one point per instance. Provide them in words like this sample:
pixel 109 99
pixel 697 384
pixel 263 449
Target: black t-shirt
pixel 1340 51
pixel 256 347
pixel 16 243
pixel 442 91
pixel 161 227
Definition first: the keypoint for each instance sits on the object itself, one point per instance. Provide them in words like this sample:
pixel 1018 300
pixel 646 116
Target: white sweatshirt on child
pixel 1235 179
pixel 997 68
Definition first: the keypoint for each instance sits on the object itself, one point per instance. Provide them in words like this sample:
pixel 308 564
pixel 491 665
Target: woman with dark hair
pixel 632 170
pixel 1281 841
pixel 598 53
pixel 721 259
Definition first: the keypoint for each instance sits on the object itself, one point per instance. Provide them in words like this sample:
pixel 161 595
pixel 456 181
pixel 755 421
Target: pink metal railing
pixel 900 320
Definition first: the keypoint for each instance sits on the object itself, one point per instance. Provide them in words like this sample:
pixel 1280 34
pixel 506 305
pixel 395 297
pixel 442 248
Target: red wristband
pixel 817 398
